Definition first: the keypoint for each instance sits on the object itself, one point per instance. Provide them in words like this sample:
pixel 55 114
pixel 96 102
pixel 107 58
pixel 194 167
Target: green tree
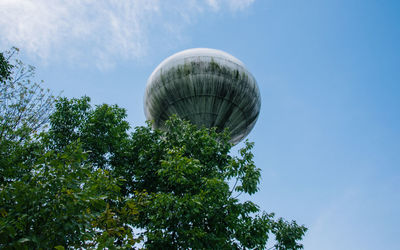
pixel 24 110
pixel 177 178
pixel 61 202
pixel 86 182
pixel 51 197
pixel 102 130
pixel 24 104
pixel 182 176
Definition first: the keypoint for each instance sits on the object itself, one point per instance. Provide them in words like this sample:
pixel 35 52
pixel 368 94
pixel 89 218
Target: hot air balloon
pixel 208 87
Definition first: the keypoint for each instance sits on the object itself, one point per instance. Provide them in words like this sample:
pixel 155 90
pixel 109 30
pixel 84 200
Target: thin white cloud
pixel 234 5
pixel 240 4
pixel 214 4
pixel 98 30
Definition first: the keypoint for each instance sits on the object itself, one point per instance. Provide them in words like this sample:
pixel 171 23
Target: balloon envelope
pixel 207 87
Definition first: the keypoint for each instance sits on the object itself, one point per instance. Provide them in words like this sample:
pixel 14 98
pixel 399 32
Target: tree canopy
pixel 88 180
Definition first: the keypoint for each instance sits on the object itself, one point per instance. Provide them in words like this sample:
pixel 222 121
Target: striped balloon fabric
pixel 207 87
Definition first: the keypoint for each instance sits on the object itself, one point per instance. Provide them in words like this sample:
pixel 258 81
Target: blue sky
pixel 327 138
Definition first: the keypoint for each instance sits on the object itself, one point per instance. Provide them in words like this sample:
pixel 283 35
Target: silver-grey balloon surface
pixel 207 87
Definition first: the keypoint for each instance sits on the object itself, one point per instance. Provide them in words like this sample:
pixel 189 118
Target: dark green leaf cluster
pixel 56 203
pixel 102 130
pixel 5 67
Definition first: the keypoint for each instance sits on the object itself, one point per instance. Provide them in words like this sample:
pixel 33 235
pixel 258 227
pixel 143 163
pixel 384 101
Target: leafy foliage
pixel 58 203
pixel 102 130
pixel 24 105
pixel 51 195
pixel 24 110
pixel 185 172
pixel 86 182
pixel 5 68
